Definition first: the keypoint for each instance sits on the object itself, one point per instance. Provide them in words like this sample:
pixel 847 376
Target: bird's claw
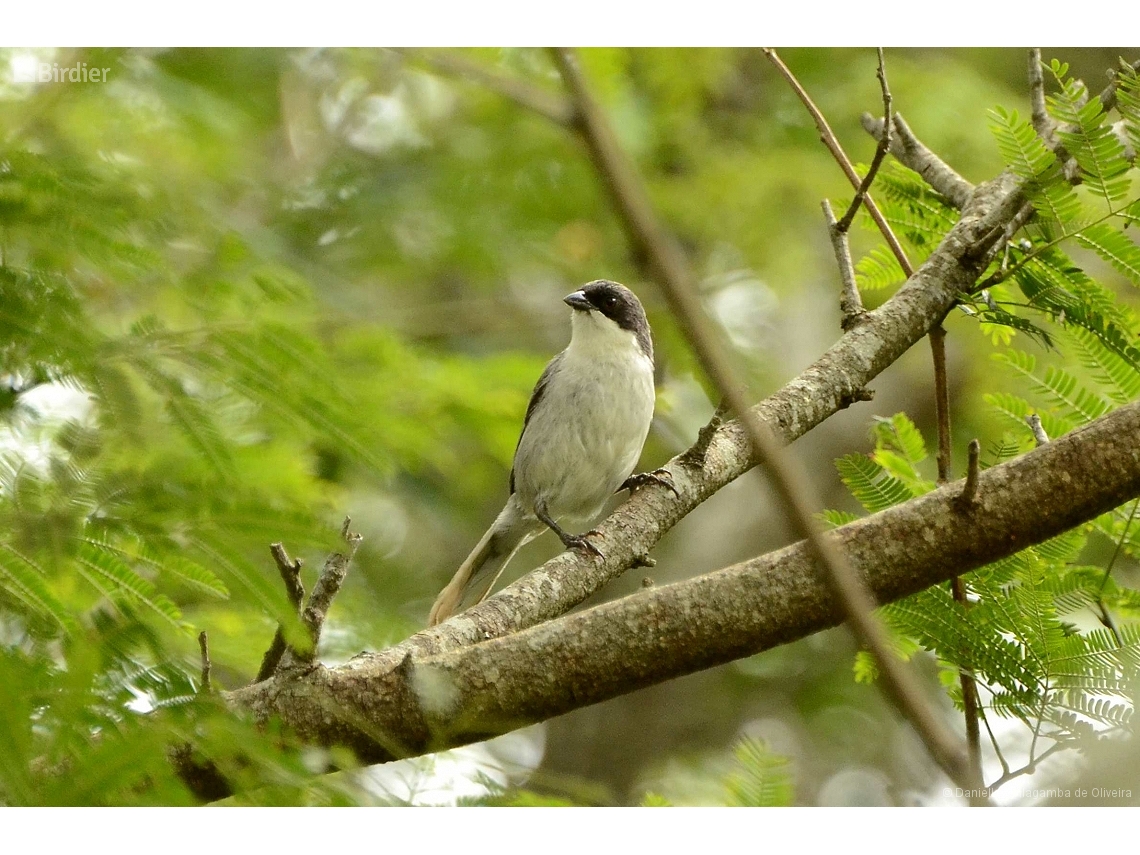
pixel 663 477
pixel 582 542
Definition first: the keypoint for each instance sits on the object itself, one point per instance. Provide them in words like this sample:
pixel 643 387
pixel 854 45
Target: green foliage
pixel 760 779
pixel 272 287
pixel 1088 137
pixel 1019 634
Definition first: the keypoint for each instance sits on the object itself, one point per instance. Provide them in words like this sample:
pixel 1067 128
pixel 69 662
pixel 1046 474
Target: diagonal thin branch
pixel 827 136
pixel 880 151
pixel 291 576
pixel 790 478
pixel 327 587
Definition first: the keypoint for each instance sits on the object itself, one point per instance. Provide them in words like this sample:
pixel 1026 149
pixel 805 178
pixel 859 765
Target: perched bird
pixel 582 436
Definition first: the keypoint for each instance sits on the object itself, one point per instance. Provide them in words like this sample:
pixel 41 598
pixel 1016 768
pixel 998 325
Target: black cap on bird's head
pixel 617 303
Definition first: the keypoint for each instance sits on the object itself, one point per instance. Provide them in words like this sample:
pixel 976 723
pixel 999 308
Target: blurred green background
pixel 275 287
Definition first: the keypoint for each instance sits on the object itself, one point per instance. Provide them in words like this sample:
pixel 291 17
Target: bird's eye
pixel 611 301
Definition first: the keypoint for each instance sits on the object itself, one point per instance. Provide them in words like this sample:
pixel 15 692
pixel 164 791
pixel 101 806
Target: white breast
pixel 585 437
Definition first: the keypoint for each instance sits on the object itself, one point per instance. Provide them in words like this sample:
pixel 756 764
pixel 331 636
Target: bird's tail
pixel 476 576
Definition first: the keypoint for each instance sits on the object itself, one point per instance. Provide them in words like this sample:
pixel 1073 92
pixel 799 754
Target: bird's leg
pixel 658 476
pixel 570 541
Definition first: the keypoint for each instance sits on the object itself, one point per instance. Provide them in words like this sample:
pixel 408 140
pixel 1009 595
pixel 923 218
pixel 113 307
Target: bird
pixel 582 435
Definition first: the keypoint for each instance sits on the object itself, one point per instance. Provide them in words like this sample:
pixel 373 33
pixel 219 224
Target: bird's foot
pixel 582 542
pixel 663 477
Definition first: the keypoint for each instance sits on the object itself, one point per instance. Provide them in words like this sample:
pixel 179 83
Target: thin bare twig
pixel 291 575
pixel 969 495
pixel 1034 422
pixel 957 586
pixel 1105 615
pixel 1042 121
pixel 941 401
pixel 993 740
pixel 850 303
pixel 1107 95
pixel 880 151
pixel 827 136
pixel 795 488
pixel 1028 768
pixel 327 587
pixel 204 647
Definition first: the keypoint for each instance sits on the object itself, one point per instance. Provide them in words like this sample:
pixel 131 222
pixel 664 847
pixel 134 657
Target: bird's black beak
pixel 578 301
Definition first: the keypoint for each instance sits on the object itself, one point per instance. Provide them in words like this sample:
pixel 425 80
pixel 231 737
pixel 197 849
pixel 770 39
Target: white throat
pixel 595 337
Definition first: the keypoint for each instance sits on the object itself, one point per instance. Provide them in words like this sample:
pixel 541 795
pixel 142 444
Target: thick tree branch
pixel 383 710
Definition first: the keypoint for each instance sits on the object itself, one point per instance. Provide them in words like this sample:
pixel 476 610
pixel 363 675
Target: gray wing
pixel 535 397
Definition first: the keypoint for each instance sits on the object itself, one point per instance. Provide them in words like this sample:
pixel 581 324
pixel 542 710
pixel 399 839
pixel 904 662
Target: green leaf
pixel 1113 246
pixel 878 270
pixel 1128 103
pixel 103 569
pixel 870 484
pixel 1088 137
pixel 23 580
pixel 760 779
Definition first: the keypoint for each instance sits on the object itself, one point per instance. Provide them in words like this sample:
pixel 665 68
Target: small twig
pixel 966 680
pixel 969 495
pixel 695 456
pixel 827 136
pixel 204 646
pixel 291 575
pixel 795 488
pixel 1105 616
pixel 849 398
pixel 1034 422
pixel 971 705
pixel 941 401
pixel 1028 768
pixel 1037 728
pixel 880 151
pixel 1042 121
pixel 993 740
pixel 327 587
pixel 1107 95
pixel 548 104
pixel 914 155
pixel 850 303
